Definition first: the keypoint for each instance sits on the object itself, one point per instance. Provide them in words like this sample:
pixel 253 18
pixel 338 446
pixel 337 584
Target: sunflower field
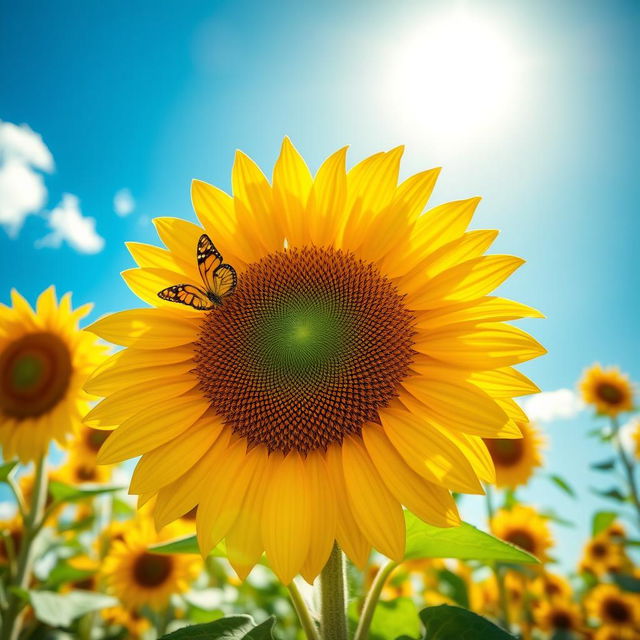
pixel 311 405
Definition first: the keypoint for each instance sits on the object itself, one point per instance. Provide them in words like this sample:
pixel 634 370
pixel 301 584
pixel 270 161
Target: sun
pixel 453 74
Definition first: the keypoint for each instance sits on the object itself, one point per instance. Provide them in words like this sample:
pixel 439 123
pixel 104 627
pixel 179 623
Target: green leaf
pixel 187 544
pixel 560 482
pixel 61 492
pixel 454 587
pixel 605 465
pixel 64 573
pixel 393 618
pixel 550 514
pixel 230 628
pixel 6 469
pixel 464 542
pixel 601 520
pixel 626 582
pixel 60 610
pixel 612 494
pixel 454 623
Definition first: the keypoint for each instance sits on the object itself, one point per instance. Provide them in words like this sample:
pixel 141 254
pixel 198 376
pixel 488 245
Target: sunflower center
pixel 311 344
pixel 95 438
pixel 599 550
pixel 34 375
pixel 506 453
pixel 522 539
pixel 616 611
pixel 609 393
pixel 85 473
pixel 151 569
pixel 561 620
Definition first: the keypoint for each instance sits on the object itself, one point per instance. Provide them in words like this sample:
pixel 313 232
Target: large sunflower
pixel 355 369
pixel 608 390
pixel 614 608
pixel 524 527
pixel 515 460
pixel 44 361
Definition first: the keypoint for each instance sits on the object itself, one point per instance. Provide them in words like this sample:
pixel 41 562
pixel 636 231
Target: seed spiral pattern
pixel 311 344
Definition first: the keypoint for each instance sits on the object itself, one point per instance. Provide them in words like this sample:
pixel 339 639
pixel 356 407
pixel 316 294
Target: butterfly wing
pixel 209 259
pixel 187 294
pixel 224 282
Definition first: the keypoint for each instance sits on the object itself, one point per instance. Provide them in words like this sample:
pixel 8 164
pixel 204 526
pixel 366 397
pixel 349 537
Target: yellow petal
pixel 487 309
pixel 349 536
pixel 378 513
pixel 428 451
pixel 168 462
pixel 327 199
pixel 412 195
pixel 460 405
pixel 46 305
pixel 147 328
pixel 183 494
pixel 149 256
pixel 226 487
pixel 485 346
pixel 323 515
pixel 180 237
pixel 291 186
pixel 467 281
pixel 286 520
pixel 149 429
pixel 123 404
pixel 503 383
pixel 429 502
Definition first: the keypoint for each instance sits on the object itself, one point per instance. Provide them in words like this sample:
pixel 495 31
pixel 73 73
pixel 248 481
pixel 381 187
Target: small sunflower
pixel 139 577
pixel 558 615
pixel 603 554
pixel 524 527
pixel 44 362
pixel 485 595
pixel 79 469
pixel 354 370
pixel 614 608
pixel 11 531
pixel 608 390
pixel 515 460
pixel 550 586
pixel 87 442
pixel 608 632
pixel 135 624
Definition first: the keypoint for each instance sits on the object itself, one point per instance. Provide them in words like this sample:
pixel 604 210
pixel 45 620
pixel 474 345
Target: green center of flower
pixel 35 371
pixel 312 343
pixel 151 569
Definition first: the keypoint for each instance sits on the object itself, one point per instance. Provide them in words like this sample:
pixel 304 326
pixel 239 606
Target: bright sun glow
pixel 453 76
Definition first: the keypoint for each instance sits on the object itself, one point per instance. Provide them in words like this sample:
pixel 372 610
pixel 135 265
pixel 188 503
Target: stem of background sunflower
pixel 333 597
pixel 304 615
pixel 499 576
pixel 12 620
pixel 628 467
pixel 371 600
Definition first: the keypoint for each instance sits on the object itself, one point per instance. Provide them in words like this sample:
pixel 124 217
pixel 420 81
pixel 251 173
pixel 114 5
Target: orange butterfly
pixel 219 279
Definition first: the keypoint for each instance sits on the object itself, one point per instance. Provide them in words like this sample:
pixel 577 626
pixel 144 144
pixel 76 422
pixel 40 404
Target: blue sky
pixel 145 96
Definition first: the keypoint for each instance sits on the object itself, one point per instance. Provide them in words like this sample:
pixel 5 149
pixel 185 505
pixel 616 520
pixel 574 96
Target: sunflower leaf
pixel 561 483
pixel 61 492
pixel 605 465
pixel 6 469
pixel 612 494
pixel 60 610
pixel 601 520
pixel 626 582
pixel 229 628
pixel 464 542
pixel 446 622
pixel 187 544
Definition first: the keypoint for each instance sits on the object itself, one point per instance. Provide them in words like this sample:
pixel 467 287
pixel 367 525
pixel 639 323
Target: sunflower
pixel 11 531
pixel 139 577
pixel 614 608
pixel 635 436
pixel 81 470
pixel 524 527
pixel 558 615
pixel 131 620
pixel 485 595
pixel 87 442
pixel 608 390
pixel 44 361
pixel 548 586
pixel 603 554
pixel 516 459
pixel 355 368
pixel 608 632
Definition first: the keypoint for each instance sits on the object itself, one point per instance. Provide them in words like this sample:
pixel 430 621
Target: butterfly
pixel 220 280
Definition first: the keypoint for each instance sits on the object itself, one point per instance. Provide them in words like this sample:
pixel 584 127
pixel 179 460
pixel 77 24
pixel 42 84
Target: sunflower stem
pixel 12 620
pixel 304 615
pixel 371 600
pixel 628 466
pixel 333 597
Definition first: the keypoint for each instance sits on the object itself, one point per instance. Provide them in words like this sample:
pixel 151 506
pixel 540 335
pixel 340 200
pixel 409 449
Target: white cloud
pixel 553 405
pixel 22 191
pixel 626 436
pixel 69 225
pixel 123 202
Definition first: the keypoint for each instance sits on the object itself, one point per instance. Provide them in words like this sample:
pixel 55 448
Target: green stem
pixel 333 601
pixel 12 620
pixel 371 600
pixel 628 466
pixel 499 576
pixel 17 493
pixel 304 615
